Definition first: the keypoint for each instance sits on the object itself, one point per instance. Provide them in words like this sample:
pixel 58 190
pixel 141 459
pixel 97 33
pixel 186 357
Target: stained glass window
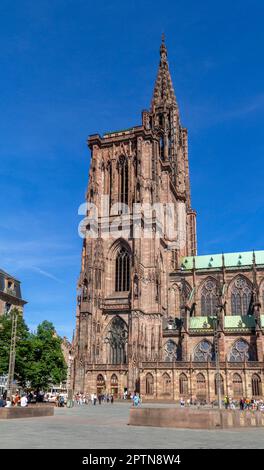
pixel 241 294
pixel 117 339
pixel 170 351
pixel 209 298
pixel 241 351
pixel 203 352
pixel 122 273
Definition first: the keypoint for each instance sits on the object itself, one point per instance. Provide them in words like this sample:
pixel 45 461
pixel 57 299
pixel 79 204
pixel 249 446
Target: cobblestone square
pixel 105 427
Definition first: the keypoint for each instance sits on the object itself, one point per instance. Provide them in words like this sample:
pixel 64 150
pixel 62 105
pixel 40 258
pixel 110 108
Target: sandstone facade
pixel 151 315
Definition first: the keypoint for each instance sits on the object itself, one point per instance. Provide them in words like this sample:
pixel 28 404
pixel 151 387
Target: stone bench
pixel 195 419
pixel 26 412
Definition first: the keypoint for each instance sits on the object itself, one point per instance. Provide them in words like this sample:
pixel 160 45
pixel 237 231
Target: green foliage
pixel 23 349
pixel 48 365
pixel 39 358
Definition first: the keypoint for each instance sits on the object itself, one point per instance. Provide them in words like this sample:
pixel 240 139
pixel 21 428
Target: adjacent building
pixel 152 315
pixel 10 293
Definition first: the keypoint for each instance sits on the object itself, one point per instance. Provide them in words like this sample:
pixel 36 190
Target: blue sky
pixel 70 68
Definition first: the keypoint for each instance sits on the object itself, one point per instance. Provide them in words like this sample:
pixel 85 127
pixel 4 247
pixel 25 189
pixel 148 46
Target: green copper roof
pixel 238 321
pixel 231 321
pixel 121 130
pixel 198 323
pixel 216 261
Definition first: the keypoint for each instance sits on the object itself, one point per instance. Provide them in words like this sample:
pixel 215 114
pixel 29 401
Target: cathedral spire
pixel 163 95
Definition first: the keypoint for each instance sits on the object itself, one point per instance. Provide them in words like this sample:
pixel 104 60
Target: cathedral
pixel 152 315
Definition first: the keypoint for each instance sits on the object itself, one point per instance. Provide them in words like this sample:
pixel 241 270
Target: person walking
pixel 136 400
pixel 226 402
pixel 182 402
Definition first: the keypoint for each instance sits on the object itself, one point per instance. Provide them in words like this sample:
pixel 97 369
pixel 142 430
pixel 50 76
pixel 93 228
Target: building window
pixel 183 382
pixel 256 386
pixel 98 278
pixel 237 386
pixel 85 290
pixel 123 181
pixel 241 351
pixel 166 384
pixel 241 294
pixel 221 384
pixel 170 351
pixel 200 387
pixel 162 147
pixel 117 340
pixel 203 352
pixel 100 384
pixel 149 384
pixel 122 272
pixel 209 299
pixel 7 307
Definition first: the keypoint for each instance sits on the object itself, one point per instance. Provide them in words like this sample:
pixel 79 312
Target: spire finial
pixel 163 49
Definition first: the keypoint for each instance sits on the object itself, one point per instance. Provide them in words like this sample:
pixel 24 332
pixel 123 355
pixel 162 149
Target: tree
pixel 23 347
pixel 47 362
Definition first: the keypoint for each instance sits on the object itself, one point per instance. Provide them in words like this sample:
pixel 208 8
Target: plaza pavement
pixel 105 427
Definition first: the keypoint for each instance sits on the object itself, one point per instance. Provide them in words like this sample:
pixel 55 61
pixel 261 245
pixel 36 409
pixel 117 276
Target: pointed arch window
pixel 203 352
pixel 122 270
pixel 217 378
pixel 241 295
pixel 201 386
pixel 209 299
pixel 166 384
pixel 170 351
pixel 149 384
pixel 162 147
pixel 237 386
pixel 183 382
pixel 241 351
pixel 116 338
pixel 123 181
pixel 256 386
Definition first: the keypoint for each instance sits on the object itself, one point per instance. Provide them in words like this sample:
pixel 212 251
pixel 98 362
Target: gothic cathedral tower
pixel 123 285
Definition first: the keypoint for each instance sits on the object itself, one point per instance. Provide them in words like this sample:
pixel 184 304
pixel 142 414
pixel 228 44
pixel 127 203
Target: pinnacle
pixel 163 94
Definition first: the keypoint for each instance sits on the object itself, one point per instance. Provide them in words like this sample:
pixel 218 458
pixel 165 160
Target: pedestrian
pixel 94 399
pixel 16 399
pixel 136 400
pixel 24 401
pixel 8 403
pixel 226 402
pixel 2 401
pixel 61 401
pixel 112 399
